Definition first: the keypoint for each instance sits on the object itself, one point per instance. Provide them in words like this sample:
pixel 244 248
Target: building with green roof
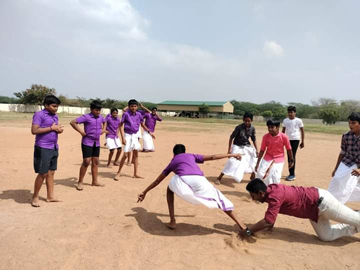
pixel 220 108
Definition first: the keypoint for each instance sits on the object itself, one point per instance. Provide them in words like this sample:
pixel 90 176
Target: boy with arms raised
pixel 45 126
pixel 94 127
pixel 131 121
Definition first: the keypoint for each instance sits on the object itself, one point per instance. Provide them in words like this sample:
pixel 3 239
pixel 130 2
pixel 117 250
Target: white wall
pixel 34 108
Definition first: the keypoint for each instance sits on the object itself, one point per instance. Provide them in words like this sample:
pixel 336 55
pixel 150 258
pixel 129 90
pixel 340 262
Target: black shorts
pixel 45 159
pixel 90 151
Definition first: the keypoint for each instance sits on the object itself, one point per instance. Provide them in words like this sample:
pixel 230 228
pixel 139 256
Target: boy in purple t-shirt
pixel 45 126
pixel 112 136
pixel 131 121
pixel 190 184
pixel 150 123
pixel 94 127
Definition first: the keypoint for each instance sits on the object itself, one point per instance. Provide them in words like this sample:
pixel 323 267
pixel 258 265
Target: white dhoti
pixel 196 189
pixel 270 172
pixel 113 143
pixel 344 186
pixel 236 168
pixel 132 142
pixel 148 141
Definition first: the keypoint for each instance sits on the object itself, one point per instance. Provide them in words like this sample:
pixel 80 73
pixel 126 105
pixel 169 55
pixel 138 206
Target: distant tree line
pixel 327 109
pixel 37 93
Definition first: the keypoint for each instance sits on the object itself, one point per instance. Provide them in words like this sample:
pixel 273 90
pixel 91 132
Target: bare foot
pixel 128 164
pixel 53 200
pixel 171 225
pixel 108 165
pixel 217 182
pixel 138 176
pixel 35 202
pixel 97 184
pixel 117 176
pixel 79 186
pixel 116 163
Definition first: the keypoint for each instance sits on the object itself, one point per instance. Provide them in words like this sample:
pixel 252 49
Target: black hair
pixel 95 104
pixel 256 185
pixel 113 110
pixel 51 99
pixel 153 108
pixel 355 116
pixel 248 115
pixel 275 123
pixel 133 102
pixel 291 109
pixel 179 149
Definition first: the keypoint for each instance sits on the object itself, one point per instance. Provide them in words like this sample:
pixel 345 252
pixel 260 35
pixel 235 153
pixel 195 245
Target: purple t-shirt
pixel 131 122
pixel 150 121
pixel 92 128
pixel 45 119
pixel 113 124
pixel 185 164
pixel 294 201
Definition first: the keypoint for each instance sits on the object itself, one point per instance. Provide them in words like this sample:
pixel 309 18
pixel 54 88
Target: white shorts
pixel 132 142
pixel 113 143
pixel 148 141
pixel 196 189
pixel 270 172
pixel 344 186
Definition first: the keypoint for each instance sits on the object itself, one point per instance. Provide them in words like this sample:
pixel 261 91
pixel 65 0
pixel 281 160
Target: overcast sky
pixel 152 50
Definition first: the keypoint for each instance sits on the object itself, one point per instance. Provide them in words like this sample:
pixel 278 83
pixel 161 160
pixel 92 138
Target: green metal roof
pixel 193 103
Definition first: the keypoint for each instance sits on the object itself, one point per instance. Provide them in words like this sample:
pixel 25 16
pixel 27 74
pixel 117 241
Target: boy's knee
pixel 86 163
pixel 95 161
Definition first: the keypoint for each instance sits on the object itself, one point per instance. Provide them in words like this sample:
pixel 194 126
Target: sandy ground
pixel 104 228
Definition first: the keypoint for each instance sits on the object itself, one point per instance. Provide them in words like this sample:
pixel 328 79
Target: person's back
pixel 185 164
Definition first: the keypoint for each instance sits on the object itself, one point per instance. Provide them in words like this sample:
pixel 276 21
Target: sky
pixel 200 50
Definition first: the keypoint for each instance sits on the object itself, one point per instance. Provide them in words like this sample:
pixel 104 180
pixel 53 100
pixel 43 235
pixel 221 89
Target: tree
pixel 35 95
pixel 329 115
pixel 267 114
pixel 8 100
pixel 204 109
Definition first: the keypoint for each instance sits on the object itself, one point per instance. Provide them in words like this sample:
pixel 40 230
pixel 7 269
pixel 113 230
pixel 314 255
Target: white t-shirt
pixel 293 128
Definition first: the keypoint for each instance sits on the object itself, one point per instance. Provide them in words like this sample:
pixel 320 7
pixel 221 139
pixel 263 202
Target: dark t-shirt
pixel 241 135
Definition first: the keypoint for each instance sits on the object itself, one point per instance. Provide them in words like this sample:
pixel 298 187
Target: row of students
pixel 189 182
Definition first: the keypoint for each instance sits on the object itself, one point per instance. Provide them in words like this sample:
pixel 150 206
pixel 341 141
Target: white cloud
pixel 271 48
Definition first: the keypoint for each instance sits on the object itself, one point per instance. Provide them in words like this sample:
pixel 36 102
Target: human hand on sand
pixel 141 197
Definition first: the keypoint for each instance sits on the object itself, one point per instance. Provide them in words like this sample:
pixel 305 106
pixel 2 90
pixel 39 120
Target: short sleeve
pixel 158 119
pixel 263 143
pixel 123 118
pixel 168 169
pixel 81 119
pixel 199 158
pixel 343 144
pixel 235 132
pixel 141 118
pixel 284 122
pixel 37 119
pixel 301 124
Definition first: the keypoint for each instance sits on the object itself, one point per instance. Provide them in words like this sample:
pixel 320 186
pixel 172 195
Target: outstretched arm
pixel 158 180
pixel 259 226
pixel 221 156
